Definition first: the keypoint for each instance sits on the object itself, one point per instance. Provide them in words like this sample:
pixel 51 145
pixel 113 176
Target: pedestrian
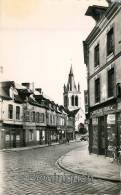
pixel 67 140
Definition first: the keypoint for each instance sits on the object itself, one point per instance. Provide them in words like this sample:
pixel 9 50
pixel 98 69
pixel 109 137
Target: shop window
pixel 76 100
pixel 111 82
pixel 18 112
pixel 97 90
pixel 10 111
pixel 31 135
pixel 96 56
pixel 38 135
pixel 7 137
pixel 110 41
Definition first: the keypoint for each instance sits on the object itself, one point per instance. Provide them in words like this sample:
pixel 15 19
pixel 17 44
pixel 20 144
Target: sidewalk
pixel 31 147
pixel 27 148
pixel 80 162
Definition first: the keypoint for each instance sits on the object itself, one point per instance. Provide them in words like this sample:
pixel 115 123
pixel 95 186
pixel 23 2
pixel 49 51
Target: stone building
pixel 73 101
pixel 102 55
pixel 29 117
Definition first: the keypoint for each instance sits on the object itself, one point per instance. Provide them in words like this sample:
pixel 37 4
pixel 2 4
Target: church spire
pixel 71 94
pixel 71 82
pixel 71 70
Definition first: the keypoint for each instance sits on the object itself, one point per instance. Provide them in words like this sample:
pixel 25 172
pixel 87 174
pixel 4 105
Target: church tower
pixel 72 94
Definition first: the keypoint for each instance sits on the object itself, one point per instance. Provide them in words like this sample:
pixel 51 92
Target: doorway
pixel 101 136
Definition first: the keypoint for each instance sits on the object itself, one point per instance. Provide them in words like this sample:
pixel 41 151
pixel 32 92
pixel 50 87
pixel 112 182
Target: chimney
pixel 109 2
pixel 27 85
pixel 38 89
pixel 78 87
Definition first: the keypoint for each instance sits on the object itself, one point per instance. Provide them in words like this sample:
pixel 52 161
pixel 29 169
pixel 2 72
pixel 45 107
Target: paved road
pixel 35 172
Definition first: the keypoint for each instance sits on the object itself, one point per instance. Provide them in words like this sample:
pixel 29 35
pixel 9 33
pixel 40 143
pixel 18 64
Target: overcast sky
pixel 39 39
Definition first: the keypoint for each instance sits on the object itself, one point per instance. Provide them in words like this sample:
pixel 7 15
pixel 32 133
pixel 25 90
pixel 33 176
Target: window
pixel 76 100
pixel 72 100
pixel 110 41
pixel 27 116
pixel 96 56
pixel 37 117
pixel 51 119
pixel 33 116
pixel 18 112
pixel 111 82
pixel 65 101
pixel 97 90
pixel 47 118
pixel 42 118
pixel 10 111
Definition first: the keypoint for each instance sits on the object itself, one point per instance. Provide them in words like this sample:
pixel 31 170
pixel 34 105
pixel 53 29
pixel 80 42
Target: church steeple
pixel 72 99
pixel 71 86
pixel 71 71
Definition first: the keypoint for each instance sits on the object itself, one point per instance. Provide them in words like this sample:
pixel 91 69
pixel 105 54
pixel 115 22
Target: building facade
pixel 102 55
pixel 27 117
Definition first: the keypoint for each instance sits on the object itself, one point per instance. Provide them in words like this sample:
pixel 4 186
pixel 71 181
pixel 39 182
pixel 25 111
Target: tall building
pixel 72 100
pixel 102 55
pixel 72 94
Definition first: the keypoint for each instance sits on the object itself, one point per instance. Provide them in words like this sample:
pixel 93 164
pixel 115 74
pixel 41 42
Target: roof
pixel 107 15
pixel 73 112
pixel 4 89
pixel 96 11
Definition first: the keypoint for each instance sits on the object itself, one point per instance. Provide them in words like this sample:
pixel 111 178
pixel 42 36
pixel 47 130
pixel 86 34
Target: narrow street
pixel 21 174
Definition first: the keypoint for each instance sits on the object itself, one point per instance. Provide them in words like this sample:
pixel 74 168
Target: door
pixel 101 136
pixel 14 139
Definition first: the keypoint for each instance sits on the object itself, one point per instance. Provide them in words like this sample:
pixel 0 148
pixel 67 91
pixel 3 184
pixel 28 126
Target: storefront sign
pixel 104 110
pixel 111 118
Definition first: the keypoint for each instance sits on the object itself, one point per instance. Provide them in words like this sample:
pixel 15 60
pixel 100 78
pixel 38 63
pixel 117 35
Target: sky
pixel 40 39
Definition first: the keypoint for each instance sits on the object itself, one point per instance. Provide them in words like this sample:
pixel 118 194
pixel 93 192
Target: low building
pixel 27 117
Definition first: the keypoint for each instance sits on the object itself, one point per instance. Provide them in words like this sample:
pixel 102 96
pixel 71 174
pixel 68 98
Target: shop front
pixel 12 136
pixel 40 135
pixel 103 131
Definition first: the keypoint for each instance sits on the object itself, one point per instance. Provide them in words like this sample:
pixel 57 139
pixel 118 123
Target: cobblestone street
pixel 27 173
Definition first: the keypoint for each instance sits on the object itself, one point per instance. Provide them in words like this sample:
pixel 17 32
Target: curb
pixel 32 147
pixel 27 148
pixel 60 164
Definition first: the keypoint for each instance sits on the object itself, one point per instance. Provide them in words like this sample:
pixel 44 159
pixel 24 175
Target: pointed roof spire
pixel 71 70
pixel 71 86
